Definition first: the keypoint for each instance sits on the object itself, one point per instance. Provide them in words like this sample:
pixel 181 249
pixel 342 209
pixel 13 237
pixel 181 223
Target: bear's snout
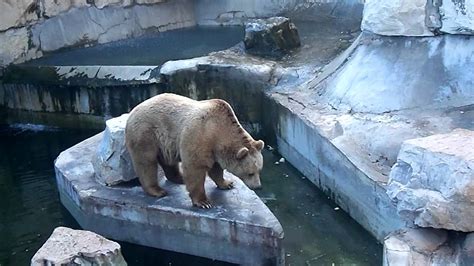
pixel 253 183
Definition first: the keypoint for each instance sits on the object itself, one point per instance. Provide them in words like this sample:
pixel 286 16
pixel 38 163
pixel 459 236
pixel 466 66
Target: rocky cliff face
pixel 419 17
pixel 28 28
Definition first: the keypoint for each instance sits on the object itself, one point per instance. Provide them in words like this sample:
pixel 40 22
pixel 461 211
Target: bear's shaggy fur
pixel 204 136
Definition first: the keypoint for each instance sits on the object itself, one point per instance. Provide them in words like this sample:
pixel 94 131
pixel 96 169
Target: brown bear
pixel 204 136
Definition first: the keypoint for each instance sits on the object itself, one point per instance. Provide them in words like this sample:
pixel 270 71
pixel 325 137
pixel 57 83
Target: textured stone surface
pixel 51 8
pixel 398 17
pixel 274 36
pixel 16 13
pixel 165 16
pixel 413 247
pixel 149 1
pixel 467 251
pixel 13 45
pixel 432 182
pixel 229 12
pixel 66 246
pixel 457 16
pixel 104 3
pixel 405 73
pixel 90 24
pixel 113 164
pixel 239 229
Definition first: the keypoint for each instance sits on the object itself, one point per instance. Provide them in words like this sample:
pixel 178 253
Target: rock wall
pixel 29 28
pixel 428 247
pixel 231 12
pixel 419 17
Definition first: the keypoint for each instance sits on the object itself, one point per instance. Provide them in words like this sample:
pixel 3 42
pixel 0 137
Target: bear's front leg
pixel 217 175
pixel 194 180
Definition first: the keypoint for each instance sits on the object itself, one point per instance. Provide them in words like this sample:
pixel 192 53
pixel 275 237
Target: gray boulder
pixel 396 18
pixel 77 247
pixel 113 164
pixel 273 36
pixel 432 183
pixel 420 246
pixel 457 17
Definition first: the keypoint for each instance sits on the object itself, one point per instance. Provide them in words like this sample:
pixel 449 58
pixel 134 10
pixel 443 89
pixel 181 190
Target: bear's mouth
pixel 253 184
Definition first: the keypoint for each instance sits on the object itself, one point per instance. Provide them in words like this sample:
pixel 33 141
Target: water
pixel 315 233
pixel 150 49
pixel 29 202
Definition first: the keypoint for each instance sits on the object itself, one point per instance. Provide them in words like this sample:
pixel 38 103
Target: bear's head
pixel 248 164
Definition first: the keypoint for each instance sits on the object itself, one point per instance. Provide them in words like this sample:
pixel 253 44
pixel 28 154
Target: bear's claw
pixel 156 192
pixel 203 204
pixel 227 185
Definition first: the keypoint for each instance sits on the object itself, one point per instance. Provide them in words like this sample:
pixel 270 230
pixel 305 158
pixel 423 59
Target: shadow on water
pixel 151 49
pixel 315 234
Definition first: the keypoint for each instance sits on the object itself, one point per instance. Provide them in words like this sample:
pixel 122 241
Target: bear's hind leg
pixel 194 181
pixel 148 179
pixel 172 173
pixel 216 173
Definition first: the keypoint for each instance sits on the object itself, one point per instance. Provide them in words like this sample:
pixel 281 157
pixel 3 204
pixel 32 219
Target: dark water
pixel 316 231
pixel 29 200
pixel 151 49
pixel 315 234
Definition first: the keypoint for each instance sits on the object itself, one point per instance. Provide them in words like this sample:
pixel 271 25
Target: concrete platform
pixel 239 229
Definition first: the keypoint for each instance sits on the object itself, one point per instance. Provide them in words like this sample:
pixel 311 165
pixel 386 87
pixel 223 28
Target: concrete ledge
pixel 304 145
pixel 240 229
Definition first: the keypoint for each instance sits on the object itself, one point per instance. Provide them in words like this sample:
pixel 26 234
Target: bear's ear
pixel 259 145
pixel 242 153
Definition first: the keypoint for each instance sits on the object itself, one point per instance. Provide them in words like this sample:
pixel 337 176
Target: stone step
pixel 239 229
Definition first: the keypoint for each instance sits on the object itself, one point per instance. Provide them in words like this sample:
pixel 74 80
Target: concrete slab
pixel 240 229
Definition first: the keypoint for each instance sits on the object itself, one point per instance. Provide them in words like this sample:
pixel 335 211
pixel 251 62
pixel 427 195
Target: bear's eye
pixel 250 175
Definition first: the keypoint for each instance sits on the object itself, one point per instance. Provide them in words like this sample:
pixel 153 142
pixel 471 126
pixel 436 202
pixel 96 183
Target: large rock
pixel 77 247
pixel 17 13
pixel 273 36
pixel 239 229
pixel 52 8
pixel 13 45
pixel 411 247
pixel 432 182
pixel 397 17
pixel 457 16
pixel 113 164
